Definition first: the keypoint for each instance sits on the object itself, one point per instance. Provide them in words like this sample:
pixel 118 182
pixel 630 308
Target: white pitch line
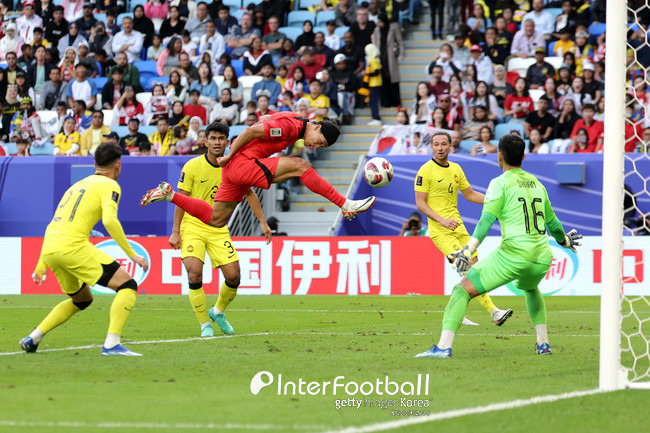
pixel 257 334
pixel 391 425
pixel 158 425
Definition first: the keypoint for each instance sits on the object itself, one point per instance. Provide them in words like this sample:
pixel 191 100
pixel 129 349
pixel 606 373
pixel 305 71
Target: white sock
pixel 541 334
pixel 446 339
pixel 218 311
pixel 37 335
pixel 347 203
pixel 204 324
pixel 112 340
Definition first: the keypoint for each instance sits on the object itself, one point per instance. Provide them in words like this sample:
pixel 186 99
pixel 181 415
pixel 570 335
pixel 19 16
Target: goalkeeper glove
pixel 571 240
pixel 461 258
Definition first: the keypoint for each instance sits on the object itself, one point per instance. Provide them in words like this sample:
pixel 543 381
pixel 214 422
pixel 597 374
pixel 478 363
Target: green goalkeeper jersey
pixel 520 202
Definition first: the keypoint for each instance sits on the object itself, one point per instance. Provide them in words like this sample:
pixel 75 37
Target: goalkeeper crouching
pixel 521 204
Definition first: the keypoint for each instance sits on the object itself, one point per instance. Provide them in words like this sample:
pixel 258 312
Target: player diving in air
pixel 249 164
pixel 200 178
pixel 520 202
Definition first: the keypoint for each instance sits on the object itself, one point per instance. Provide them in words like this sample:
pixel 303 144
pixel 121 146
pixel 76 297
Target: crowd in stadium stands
pixel 152 74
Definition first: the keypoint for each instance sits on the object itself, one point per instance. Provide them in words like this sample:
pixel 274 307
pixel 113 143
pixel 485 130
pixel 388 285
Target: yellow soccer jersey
pixel 442 184
pixel 81 207
pixel 202 180
pixel 321 101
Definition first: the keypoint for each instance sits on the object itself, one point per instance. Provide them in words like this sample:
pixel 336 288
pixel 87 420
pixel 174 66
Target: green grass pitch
pixel 185 384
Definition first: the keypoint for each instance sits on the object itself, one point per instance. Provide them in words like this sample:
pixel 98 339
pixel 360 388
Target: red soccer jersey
pixel 595 131
pixel 512 101
pixel 280 131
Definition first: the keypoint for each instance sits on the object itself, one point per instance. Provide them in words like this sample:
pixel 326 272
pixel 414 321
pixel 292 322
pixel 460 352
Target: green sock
pixel 455 310
pixel 536 306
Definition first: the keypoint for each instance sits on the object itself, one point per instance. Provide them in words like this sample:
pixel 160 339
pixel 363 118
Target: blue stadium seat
pixel 233 4
pixel 291 32
pixel 506 128
pixel 57 2
pixel 154 80
pixel 340 31
pixel 46 149
pixel 238 13
pixel 146 66
pixel 551 47
pixel 321 29
pixel 120 17
pixel 236 130
pixel 245 3
pixel 239 67
pixel 100 82
pixel 323 17
pixel 468 144
pixel 554 12
pixel 147 130
pixel 597 29
pixel 134 3
pixel 122 131
pixel 11 147
pixel 306 4
pixel 100 17
pixel 296 18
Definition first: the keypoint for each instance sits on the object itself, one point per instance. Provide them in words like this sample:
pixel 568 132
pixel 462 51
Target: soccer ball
pixel 378 172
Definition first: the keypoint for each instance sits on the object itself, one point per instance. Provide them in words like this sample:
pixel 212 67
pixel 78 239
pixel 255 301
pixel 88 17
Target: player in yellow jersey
pixel 201 178
pixel 436 195
pixel 77 264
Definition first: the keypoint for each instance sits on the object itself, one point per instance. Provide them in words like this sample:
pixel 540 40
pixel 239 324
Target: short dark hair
pixel 264 96
pixel 218 127
pixel 81 102
pixel 117 69
pixel 38 30
pixel 107 153
pixel 223 8
pixel 61 103
pixel 589 106
pixel 443 133
pixel 512 148
pixel 58 9
pixel 195 92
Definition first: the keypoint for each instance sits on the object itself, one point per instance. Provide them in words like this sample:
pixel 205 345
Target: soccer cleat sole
pixel 503 318
pixel 157 194
pixel 352 215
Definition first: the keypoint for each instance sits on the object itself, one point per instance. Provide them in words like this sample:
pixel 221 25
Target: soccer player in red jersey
pixel 249 164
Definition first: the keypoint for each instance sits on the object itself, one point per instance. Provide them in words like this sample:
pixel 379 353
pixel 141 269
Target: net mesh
pixel 635 326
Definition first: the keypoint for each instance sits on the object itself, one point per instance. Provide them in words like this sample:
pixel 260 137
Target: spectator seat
pixel 296 18
pixel 238 65
pixel 120 17
pixel 597 29
pixel 468 144
pixel 323 17
pixel 235 130
pixel 46 149
pixel 555 12
pixel 554 61
pixel 100 82
pixel 506 128
pixel 291 32
pixel 519 65
pixel 232 4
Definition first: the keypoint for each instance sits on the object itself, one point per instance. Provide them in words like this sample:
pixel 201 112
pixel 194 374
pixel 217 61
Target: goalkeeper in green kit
pixel 520 202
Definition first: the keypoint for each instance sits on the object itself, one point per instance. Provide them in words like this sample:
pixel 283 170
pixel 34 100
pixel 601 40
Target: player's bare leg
pixel 289 167
pixel 227 293
pixel 194 268
pixel 126 288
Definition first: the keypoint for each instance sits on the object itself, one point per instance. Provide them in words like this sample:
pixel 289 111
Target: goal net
pixel 625 302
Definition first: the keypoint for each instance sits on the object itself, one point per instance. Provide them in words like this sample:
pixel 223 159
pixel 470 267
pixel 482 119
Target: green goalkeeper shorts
pixel 498 269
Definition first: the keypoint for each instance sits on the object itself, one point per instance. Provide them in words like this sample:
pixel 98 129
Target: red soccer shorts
pixel 242 173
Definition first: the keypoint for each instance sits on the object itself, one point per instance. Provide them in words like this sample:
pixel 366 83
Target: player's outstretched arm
pixel 571 240
pixel 175 238
pixel 249 134
pixel 473 196
pixel 422 205
pixel 256 206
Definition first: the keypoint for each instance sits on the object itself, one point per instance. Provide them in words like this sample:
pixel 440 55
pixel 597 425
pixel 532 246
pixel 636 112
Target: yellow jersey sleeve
pixel 422 179
pixel 110 197
pixel 186 181
pixel 462 180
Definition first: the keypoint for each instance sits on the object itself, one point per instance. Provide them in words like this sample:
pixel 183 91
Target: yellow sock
pixel 486 302
pixel 226 295
pixel 120 309
pixel 58 315
pixel 197 299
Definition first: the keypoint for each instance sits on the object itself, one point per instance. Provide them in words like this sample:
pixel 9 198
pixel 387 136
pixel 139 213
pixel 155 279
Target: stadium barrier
pixel 30 189
pixel 329 266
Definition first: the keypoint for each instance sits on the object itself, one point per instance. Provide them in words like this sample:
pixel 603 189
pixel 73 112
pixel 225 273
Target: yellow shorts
pixel 452 241
pixel 78 266
pixel 195 243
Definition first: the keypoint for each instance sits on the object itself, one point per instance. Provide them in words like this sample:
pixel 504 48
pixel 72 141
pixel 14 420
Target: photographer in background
pixel 413 226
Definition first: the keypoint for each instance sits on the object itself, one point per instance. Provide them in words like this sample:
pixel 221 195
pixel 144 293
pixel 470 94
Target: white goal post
pixel 624 343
